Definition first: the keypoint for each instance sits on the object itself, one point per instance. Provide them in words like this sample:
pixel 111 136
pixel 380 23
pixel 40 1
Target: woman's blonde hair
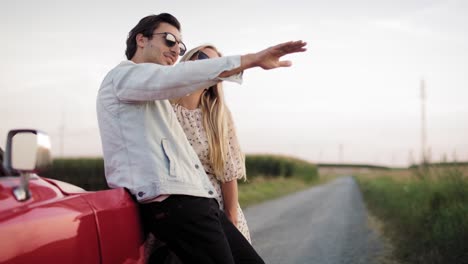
pixel 216 116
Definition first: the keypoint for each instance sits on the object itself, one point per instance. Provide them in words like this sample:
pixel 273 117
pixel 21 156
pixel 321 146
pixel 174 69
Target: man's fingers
pixel 270 57
pixel 284 63
pixel 295 46
pixel 290 47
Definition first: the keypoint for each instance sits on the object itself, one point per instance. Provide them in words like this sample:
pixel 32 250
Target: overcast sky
pixel 353 97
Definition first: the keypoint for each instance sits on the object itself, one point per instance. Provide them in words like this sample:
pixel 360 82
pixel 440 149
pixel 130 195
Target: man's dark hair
pixel 146 26
pixel 2 170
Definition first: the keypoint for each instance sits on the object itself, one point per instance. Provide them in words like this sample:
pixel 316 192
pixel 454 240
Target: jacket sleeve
pixel 150 81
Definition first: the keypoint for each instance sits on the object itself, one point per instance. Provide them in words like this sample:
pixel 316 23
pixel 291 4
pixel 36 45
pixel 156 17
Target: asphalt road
pixel 325 224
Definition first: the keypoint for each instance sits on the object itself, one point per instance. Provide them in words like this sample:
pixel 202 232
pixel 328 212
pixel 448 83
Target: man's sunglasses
pixel 171 40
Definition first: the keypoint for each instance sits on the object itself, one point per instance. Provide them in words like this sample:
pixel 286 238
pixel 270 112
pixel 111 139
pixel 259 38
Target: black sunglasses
pixel 200 55
pixel 171 40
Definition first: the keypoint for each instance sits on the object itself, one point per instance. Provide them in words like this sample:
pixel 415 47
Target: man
pixel 146 151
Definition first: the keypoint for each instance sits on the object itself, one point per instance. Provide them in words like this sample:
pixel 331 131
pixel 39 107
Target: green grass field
pixel 424 215
pixel 262 189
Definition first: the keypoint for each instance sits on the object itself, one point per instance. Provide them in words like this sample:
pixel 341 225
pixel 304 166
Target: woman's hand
pixel 232 216
pixel 229 190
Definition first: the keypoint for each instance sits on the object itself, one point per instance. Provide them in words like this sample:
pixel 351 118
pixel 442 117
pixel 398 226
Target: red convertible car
pixel 49 221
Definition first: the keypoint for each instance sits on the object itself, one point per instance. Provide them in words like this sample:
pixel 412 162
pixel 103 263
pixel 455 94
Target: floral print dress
pixel 192 123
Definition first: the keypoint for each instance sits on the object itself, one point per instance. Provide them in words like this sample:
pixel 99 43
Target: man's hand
pixel 270 58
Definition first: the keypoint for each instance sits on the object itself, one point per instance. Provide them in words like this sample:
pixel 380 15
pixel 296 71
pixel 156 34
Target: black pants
pixel 198 231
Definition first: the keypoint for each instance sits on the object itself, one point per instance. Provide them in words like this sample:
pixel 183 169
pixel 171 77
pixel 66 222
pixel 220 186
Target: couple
pixel 147 151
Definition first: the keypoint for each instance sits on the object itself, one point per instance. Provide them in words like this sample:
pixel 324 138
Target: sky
pixel 353 97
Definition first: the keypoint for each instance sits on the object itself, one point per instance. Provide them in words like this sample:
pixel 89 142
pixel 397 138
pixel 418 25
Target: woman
pixel 209 127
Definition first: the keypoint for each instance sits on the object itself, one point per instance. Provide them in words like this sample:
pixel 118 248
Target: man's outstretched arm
pixel 268 58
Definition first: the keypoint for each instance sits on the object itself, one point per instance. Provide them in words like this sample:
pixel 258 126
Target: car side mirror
pixel 27 151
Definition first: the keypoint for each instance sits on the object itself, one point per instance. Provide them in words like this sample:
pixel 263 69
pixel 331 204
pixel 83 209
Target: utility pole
pixel 423 171
pixel 341 153
pixel 411 160
pixel 423 124
pixel 62 133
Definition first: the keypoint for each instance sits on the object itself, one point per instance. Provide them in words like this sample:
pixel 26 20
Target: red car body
pixel 61 223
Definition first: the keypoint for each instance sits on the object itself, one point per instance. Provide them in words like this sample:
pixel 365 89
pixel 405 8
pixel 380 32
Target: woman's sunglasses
pixel 171 40
pixel 200 55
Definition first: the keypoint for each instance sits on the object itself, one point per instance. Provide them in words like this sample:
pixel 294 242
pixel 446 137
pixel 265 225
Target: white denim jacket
pixel 145 149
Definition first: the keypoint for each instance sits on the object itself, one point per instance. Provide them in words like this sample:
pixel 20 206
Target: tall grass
pixel 279 166
pixel 88 173
pixel 427 218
